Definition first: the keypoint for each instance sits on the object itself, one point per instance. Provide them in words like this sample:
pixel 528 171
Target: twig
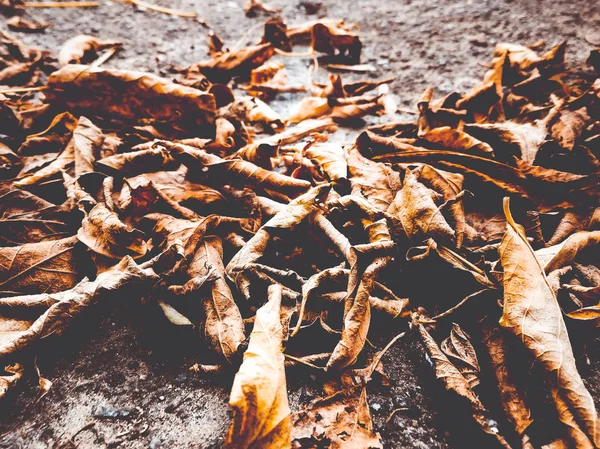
pixel 377 360
pixel 287 53
pixel 171 12
pixel 303 362
pixel 18 90
pixel 241 40
pixel 61 4
pixel 396 410
pixel 105 57
pixel 457 306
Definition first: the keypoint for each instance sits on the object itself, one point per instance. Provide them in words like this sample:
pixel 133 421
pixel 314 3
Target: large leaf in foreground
pixel 261 417
pixel 533 314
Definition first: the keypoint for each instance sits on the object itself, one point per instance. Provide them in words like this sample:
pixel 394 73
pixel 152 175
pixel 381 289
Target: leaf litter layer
pixel 263 233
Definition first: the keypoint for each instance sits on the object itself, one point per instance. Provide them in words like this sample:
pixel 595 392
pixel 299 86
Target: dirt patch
pixel 123 359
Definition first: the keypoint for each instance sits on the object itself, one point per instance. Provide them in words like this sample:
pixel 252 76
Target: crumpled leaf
pixel 377 182
pixel 222 325
pixel 331 161
pixel 87 142
pixel 357 313
pixel 53 138
pixel 103 232
pixel 239 172
pixel 336 42
pixel 18 23
pixel 532 313
pixel 137 162
pixel 224 66
pixel 288 218
pixel 70 303
pixel 458 140
pixel 569 127
pixel 454 381
pixel 460 351
pixel 253 7
pixel 341 420
pixel 83 49
pixel 420 216
pixel 449 185
pixel 6 382
pixel 571 248
pixel 513 400
pixel 261 414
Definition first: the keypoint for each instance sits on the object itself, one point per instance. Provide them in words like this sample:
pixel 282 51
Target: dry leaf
pixel 103 232
pixel 83 49
pixel 460 351
pixel 454 381
pixel 532 313
pixel 259 400
pixel 70 303
pixel 18 23
pixel 132 96
pixel 39 267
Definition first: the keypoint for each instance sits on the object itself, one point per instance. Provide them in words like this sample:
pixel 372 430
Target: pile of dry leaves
pixel 260 231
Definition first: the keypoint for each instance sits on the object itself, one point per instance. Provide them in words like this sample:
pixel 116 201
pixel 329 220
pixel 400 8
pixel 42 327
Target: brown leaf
pixel 454 381
pixel 10 163
pixel 131 96
pixel 222 326
pixel 87 142
pixel 83 49
pixel 310 107
pixel 336 42
pixel 253 110
pixel 367 262
pixel 377 182
pixel 330 160
pixel 224 66
pixel 6 382
pixel 33 227
pixel 253 7
pixel 509 138
pixel 259 400
pixel 460 350
pixel 571 248
pixel 39 267
pixel 136 162
pixel 18 23
pixel 569 127
pixel 258 153
pixel 238 172
pixel 288 218
pixel 458 140
pixel 341 419
pixel 70 303
pixel 276 33
pixel 512 398
pixel 53 138
pixel 449 185
pixel 532 313
pixel 103 232
pixel 421 218
pixel 140 196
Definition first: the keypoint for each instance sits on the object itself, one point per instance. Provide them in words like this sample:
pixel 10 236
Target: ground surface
pixel 123 357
